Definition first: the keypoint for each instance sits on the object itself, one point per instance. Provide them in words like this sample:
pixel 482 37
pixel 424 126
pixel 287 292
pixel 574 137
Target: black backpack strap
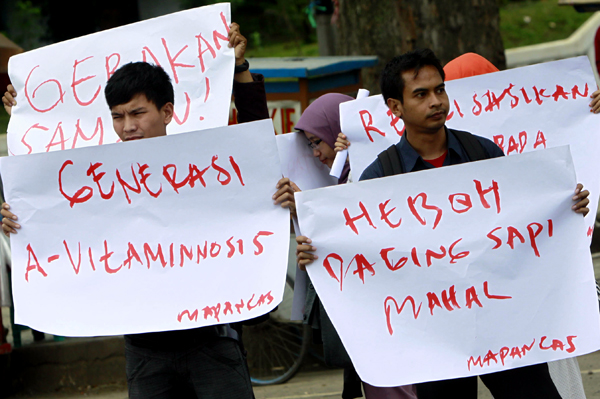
pixel 390 161
pixel 471 145
pixel 392 165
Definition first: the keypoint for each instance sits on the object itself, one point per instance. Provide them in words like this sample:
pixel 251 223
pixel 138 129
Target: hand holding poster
pixel 300 166
pixel 159 234
pixel 457 271
pixel 61 87
pixel 523 109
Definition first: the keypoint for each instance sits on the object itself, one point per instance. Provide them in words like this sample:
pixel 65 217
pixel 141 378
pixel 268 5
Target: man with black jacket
pixel 203 362
pixel 413 88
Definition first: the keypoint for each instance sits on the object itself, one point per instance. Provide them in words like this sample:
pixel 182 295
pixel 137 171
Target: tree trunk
pixel 387 28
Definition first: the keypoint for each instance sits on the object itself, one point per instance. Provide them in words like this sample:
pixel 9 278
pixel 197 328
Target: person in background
pixel 466 65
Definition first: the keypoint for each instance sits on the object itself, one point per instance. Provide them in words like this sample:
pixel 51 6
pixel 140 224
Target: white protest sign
pixel 300 165
pixel 457 271
pixel 523 109
pixel 61 87
pixel 342 156
pixel 159 234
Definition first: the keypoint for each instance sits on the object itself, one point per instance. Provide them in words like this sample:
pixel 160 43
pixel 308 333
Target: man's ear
pixel 395 106
pixel 167 111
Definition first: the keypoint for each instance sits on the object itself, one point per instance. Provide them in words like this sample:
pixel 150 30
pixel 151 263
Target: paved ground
pixel 327 384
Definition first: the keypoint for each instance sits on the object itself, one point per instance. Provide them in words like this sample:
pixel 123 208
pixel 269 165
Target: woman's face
pixel 321 149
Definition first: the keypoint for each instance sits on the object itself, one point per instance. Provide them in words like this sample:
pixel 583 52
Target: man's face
pixel 425 104
pixel 140 119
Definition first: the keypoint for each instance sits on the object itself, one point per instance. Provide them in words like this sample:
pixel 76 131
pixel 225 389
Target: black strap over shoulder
pixel 392 165
pixel 471 145
pixel 390 161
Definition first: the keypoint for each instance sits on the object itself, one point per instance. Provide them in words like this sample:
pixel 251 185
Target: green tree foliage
pixel 523 23
pixel 268 21
pixel 27 26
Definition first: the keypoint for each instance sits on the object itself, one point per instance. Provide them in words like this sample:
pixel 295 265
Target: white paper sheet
pixel 457 271
pixel 341 156
pixel 60 87
pixel 299 164
pixel 301 167
pixel 190 237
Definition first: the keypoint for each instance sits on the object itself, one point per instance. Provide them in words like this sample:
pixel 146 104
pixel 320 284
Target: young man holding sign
pixel 201 362
pixel 414 90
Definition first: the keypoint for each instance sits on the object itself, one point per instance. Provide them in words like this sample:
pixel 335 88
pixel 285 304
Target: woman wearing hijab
pixel 320 123
pixel 466 65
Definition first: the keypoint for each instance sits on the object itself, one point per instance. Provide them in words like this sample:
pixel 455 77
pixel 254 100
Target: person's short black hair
pixel 139 78
pixel 392 83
